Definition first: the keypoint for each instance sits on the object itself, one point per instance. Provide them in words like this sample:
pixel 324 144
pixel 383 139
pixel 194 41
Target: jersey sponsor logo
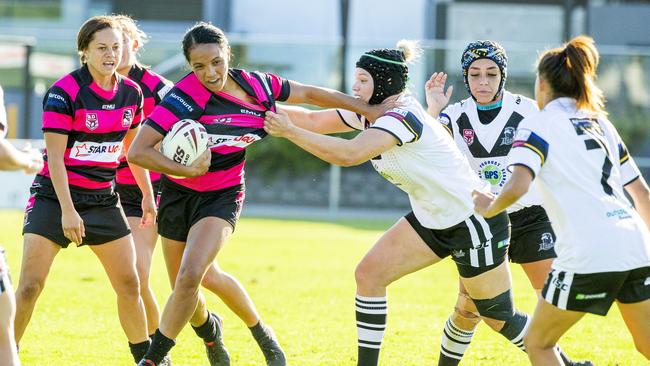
pixel 222 120
pixel 127 117
pixel 102 152
pixel 178 101
pixel 250 112
pixel 92 122
pixel 468 135
pixel 56 100
pixel 492 172
pixel 547 242
pixel 601 295
pixel 401 112
pixel 620 214
pixel 508 136
pixel 108 107
pixel 228 140
pixel 559 284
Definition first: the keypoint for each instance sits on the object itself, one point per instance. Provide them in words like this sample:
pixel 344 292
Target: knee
pixel 465 311
pixel 369 274
pixel 188 280
pixel 213 279
pixel 534 342
pixel 29 290
pixel 128 286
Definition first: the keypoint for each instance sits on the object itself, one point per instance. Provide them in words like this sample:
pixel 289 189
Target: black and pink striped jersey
pixel 232 124
pixel 95 120
pixel 154 87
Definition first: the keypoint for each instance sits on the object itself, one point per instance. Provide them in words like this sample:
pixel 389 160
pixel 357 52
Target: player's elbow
pixel 352 158
pixel 135 155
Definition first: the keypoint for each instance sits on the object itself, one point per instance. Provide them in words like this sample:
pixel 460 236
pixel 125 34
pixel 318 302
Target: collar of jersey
pixel 491 106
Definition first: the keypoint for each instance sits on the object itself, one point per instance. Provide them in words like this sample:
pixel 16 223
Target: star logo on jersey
pixel 92 122
pixel 82 150
pixel 468 135
pixel 547 242
pixel 508 136
pixel 492 172
pixel 127 117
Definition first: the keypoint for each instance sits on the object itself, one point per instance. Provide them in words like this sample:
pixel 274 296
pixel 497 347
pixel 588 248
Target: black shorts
pixel 477 245
pixel 131 197
pixel 532 236
pixel 100 210
pixel 595 292
pixel 180 208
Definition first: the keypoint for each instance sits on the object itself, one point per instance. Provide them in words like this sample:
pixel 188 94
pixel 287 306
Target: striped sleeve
pixel 353 120
pixel 402 124
pixel 529 150
pixel 445 121
pixel 175 106
pixel 279 86
pixel 629 170
pixel 58 111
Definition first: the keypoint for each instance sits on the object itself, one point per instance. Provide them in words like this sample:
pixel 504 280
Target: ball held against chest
pixel 186 140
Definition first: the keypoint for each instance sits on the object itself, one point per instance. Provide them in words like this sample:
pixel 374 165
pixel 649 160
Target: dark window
pixel 161 9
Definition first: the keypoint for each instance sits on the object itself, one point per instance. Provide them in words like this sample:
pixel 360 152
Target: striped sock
pixel 515 329
pixel 371 324
pixel 454 344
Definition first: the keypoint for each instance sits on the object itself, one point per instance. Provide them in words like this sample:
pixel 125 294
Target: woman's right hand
pixel 435 94
pixel 73 226
pixel 200 165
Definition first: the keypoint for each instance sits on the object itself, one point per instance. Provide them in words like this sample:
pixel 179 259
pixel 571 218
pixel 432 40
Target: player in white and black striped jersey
pixel 580 165
pixel 483 127
pixel 414 152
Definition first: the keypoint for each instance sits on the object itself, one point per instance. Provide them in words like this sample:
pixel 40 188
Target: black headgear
pixel 388 70
pixel 485 49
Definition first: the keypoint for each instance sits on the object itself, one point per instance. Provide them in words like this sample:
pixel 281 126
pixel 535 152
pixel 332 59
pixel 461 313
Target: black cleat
pixel 583 363
pixel 216 351
pixel 272 351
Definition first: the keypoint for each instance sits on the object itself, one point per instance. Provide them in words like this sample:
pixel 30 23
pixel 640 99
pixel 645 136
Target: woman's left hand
pixel 482 203
pixel 148 212
pixel 278 124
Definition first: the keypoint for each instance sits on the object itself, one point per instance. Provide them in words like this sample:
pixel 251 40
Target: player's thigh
pixel 144 240
pixel 537 272
pixel 38 256
pixel 637 319
pixel 398 252
pixel 489 284
pixel 204 240
pixel 118 259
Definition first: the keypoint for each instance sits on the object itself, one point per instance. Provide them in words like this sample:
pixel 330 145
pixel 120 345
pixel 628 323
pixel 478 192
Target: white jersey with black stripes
pixel 426 164
pixel 581 166
pixel 487 145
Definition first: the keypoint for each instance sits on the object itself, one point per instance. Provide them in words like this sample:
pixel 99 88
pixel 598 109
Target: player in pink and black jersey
pixel 87 116
pixel 197 215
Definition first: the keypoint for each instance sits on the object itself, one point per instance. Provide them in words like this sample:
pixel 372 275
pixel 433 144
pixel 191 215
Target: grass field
pixel 300 275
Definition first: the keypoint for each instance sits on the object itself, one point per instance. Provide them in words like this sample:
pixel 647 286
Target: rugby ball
pixel 186 140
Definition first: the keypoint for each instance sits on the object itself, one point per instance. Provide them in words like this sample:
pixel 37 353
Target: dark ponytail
pixel 570 71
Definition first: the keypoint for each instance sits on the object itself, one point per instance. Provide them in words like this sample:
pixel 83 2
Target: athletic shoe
pixel 272 351
pixel 216 351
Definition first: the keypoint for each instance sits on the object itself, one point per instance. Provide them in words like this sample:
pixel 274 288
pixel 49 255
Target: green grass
pixel 300 275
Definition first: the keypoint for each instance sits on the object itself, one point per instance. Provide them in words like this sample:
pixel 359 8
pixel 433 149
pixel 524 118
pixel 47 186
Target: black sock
pixel 455 342
pixel 160 346
pixel 138 350
pixel 207 331
pixel 515 329
pixel 259 332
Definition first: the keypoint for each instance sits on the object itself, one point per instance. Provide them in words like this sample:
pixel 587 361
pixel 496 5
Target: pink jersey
pixel 232 124
pixel 95 121
pixel 154 87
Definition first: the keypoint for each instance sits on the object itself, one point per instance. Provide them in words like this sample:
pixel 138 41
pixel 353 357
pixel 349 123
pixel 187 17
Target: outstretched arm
pixel 487 206
pixel 330 98
pixel 324 121
pixel 334 150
